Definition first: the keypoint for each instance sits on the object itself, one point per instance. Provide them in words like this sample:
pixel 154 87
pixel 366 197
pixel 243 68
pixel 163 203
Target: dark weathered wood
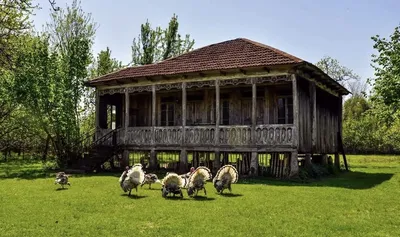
pixel 313 106
pixel 126 123
pixel 266 106
pixel 295 109
pixel 153 112
pixel 183 112
pixel 253 110
pixel 337 160
pixel 341 149
pixel 217 111
pixel 294 164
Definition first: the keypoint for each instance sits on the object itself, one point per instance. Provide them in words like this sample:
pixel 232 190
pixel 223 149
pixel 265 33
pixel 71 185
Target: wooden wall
pixel 305 116
pixel 327 122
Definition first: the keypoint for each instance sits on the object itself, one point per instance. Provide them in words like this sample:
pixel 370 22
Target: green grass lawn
pixel 363 202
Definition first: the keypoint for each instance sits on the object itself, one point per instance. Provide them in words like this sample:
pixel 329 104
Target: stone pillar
pixel 294 164
pixel 254 164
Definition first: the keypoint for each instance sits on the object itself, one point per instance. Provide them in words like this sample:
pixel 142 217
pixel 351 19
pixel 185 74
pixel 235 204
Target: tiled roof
pixel 231 54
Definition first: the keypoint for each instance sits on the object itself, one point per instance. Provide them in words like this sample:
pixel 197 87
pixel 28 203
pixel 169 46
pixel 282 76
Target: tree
pixel 52 69
pixel 386 84
pixel 154 45
pixel 336 71
pixel 14 22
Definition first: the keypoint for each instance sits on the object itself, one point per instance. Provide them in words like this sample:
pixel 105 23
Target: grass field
pixel 363 202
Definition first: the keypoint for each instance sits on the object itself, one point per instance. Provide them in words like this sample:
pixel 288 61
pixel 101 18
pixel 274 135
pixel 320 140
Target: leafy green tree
pixel 386 84
pixel 154 45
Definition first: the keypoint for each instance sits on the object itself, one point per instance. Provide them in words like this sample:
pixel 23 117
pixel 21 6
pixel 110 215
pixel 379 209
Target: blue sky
pixel 305 28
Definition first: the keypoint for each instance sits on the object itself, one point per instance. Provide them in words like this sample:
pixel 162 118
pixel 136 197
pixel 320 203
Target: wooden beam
pixel 266 69
pixel 243 71
pixel 149 78
pixel 223 73
pixel 202 74
pixel 185 76
pixel 318 84
pixel 295 110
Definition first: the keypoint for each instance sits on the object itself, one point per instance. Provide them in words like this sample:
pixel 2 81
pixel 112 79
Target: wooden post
pixel 97 114
pixel 313 107
pixel 183 161
pixel 295 111
pixel 153 113
pixel 307 160
pixel 217 111
pixel 294 164
pixel 183 112
pixel 126 122
pixel 217 161
pixel 254 164
pixel 253 112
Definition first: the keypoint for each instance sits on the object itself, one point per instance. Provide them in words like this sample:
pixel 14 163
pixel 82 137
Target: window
pixel 167 114
pixel 285 110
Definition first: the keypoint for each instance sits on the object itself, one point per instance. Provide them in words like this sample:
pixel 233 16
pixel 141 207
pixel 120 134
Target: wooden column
pixel 126 122
pixel 183 111
pixel 97 114
pixel 339 132
pixel 217 111
pixel 183 157
pixel 253 111
pixel 254 164
pixel 153 155
pixel 295 109
pixel 294 164
pixel 313 114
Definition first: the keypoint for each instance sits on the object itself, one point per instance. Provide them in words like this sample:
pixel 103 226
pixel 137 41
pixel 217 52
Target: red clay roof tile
pixel 231 54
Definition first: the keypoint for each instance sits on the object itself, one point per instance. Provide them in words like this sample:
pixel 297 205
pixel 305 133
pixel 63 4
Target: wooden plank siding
pixel 305 120
pixel 327 122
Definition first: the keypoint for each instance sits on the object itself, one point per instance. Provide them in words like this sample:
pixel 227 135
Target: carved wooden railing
pixel 275 135
pixel 139 135
pixel 235 135
pixel 200 135
pixel 168 135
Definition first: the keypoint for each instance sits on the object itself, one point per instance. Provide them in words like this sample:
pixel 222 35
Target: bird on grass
pixel 62 179
pixel 225 176
pixel 197 180
pixel 150 179
pixel 172 183
pixel 131 178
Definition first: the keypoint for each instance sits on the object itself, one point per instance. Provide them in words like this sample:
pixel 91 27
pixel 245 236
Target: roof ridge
pixel 278 51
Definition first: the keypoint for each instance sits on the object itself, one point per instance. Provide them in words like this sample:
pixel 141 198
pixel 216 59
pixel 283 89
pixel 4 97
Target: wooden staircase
pixel 99 152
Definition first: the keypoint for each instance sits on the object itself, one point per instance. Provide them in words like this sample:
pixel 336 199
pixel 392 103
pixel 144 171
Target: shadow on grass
pixel 202 198
pixel 61 189
pixel 230 195
pixel 133 196
pixel 176 198
pixel 349 180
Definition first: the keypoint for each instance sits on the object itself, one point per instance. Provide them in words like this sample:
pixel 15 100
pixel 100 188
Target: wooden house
pixel 237 98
